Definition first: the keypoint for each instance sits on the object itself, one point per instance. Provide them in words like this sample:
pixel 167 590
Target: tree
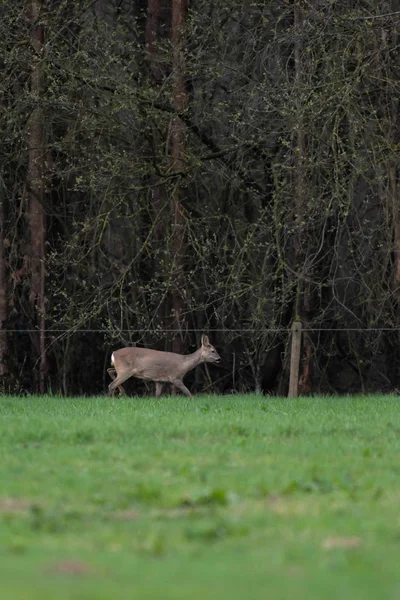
pixel 3 288
pixel 36 191
pixel 179 102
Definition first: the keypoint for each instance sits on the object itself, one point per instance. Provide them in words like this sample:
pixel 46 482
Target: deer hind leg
pixel 159 387
pixel 181 386
pixel 117 381
pixel 113 374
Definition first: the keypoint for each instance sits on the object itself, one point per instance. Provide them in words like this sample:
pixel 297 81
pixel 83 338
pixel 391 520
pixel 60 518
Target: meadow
pixel 217 497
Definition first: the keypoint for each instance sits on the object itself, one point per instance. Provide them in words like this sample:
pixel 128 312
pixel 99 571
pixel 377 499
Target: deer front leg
pixel 181 386
pixel 113 374
pixel 159 387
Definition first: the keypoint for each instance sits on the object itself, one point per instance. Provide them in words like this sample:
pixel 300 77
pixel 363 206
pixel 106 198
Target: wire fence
pixel 206 329
pixel 74 360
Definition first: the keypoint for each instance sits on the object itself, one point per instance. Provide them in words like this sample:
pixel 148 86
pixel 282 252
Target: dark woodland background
pixel 174 167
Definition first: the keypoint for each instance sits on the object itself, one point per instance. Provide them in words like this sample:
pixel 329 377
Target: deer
pixel 160 367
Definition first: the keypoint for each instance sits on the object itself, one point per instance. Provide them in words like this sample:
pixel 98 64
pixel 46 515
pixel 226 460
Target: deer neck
pixel 192 360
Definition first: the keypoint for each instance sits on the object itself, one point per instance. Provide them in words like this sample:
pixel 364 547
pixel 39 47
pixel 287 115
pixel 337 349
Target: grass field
pixel 237 497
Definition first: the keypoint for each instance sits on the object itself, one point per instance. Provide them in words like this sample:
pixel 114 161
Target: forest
pixel 177 167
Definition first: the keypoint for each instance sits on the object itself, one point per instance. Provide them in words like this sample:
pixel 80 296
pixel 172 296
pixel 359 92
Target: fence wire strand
pixel 205 329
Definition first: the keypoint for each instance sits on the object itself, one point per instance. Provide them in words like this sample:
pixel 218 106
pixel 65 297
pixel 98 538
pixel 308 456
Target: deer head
pixel 208 352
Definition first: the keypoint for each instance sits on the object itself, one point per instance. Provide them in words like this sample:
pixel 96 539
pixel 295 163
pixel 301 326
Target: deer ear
pixel 204 340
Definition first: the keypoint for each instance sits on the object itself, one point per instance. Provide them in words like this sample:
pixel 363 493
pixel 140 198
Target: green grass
pixel 217 497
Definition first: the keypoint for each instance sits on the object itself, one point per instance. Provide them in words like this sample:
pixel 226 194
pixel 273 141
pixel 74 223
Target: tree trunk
pixel 152 30
pixel 303 289
pixel 180 99
pixel 395 210
pixel 155 22
pixel 3 288
pixel 36 193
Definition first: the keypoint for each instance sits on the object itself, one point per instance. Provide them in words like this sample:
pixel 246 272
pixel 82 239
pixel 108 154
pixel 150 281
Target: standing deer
pixel 161 367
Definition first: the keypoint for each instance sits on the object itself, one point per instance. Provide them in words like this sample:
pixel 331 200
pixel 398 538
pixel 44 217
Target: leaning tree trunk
pixel 180 99
pixel 36 193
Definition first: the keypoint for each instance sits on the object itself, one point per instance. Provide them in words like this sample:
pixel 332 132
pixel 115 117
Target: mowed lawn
pixel 238 497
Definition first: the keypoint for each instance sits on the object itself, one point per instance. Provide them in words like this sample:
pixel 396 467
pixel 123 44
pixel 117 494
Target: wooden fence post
pixel 295 359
